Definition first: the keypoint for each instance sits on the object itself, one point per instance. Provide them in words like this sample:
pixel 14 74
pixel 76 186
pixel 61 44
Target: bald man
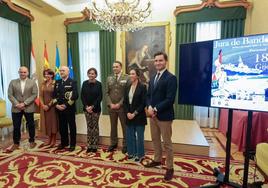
pixel 65 94
pixel 22 92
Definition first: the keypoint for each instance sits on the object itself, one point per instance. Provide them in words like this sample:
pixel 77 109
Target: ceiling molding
pixel 18 9
pixel 212 3
pixel 86 15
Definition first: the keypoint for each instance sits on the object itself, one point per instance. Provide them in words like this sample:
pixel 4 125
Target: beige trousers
pixel 164 129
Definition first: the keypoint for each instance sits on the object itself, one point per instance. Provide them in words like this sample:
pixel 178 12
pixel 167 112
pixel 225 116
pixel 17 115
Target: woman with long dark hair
pixel 134 105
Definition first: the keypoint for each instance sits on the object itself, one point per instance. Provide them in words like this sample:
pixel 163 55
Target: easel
pixel 224 179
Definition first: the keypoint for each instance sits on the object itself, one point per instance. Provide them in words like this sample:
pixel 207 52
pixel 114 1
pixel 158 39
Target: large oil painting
pixel 140 46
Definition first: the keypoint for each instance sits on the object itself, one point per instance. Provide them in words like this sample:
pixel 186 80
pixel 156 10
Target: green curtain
pixel 9 14
pixel 84 26
pixel 232 28
pixel 72 39
pixel 209 14
pixel 107 57
pixel 107 54
pixel 25 34
pixel 233 21
pixel 25 38
pixel 185 33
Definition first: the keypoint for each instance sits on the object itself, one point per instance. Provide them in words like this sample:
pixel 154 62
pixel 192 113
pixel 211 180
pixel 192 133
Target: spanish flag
pixel 46 64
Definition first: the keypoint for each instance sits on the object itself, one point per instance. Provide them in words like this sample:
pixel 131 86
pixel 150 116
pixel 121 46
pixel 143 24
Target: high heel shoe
pixel 53 141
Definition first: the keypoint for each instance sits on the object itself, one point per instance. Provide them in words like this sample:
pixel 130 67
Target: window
pixel 10 57
pixel 208 31
pixel 207 117
pixel 89 53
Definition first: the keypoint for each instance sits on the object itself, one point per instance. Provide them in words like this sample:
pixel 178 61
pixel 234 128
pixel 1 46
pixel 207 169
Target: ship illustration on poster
pixel 240 73
pixel 240 69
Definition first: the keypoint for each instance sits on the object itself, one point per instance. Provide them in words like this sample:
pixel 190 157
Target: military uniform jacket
pixel 27 97
pixel 115 90
pixel 65 92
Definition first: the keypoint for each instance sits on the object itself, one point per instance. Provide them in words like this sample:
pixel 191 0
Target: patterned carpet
pixel 47 167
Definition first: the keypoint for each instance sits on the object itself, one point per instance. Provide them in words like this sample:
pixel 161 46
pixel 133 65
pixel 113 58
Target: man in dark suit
pixel 22 92
pixel 160 100
pixel 65 94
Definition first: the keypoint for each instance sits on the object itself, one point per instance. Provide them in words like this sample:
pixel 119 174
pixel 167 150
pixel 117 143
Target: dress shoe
pixel 72 148
pixel 60 147
pixel 32 145
pixel 124 150
pixel 14 147
pixel 88 150
pixel 152 164
pixel 94 150
pixel 112 148
pixel 169 174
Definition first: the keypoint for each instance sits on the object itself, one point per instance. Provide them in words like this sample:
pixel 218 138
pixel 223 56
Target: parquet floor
pixel 217 142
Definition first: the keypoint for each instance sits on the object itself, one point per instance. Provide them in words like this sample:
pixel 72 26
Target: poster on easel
pixel 240 73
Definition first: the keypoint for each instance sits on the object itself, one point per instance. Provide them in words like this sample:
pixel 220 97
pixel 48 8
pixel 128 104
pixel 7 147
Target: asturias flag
pixel 70 63
pixel 57 67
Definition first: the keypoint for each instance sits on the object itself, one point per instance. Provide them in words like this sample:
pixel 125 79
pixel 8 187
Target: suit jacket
pixel 115 90
pixel 138 104
pixel 162 96
pixel 65 92
pixel 27 97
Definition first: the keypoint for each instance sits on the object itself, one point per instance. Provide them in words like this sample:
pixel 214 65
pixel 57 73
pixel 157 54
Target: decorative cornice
pixel 212 3
pixel 86 15
pixel 18 9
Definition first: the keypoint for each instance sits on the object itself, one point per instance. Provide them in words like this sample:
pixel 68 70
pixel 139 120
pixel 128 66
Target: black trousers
pixel 16 118
pixel 67 120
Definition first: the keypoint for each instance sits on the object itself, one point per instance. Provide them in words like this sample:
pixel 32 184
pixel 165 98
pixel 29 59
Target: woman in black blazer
pixel 91 96
pixel 134 104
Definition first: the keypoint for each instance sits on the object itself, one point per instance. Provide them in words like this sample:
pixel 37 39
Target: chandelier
pixel 121 15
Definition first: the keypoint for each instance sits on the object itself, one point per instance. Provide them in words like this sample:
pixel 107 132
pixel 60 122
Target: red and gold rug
pixel 48 167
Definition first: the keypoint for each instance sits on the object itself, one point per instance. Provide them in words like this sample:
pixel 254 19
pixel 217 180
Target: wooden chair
pixel 5 122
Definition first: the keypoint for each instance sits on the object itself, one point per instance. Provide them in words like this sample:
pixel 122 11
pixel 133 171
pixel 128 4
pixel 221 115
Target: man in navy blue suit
pixel 160 100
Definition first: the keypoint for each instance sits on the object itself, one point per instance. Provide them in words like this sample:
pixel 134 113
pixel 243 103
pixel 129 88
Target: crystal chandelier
pixel 122 15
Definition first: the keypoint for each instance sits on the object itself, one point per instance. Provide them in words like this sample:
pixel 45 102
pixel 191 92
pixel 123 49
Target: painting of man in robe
pixel 141 47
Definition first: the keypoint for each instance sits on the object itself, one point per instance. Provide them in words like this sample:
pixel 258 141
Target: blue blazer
pixel 162 96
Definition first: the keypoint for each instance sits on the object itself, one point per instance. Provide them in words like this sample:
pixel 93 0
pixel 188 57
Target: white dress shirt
pixel 131 93
pixel 22 85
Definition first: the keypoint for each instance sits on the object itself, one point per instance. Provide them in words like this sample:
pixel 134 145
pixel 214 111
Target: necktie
pixel 156 79
pixel 116 77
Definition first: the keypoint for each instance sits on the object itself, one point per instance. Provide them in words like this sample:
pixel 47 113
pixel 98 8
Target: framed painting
pixel 140 46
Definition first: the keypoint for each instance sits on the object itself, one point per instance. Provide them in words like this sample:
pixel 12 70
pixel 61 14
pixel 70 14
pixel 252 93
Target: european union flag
pixel 57 67
pixel 70 63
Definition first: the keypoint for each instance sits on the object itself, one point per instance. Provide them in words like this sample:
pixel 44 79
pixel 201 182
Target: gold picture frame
pixel 139 47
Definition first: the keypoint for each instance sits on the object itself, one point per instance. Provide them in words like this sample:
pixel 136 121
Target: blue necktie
pixel 156 79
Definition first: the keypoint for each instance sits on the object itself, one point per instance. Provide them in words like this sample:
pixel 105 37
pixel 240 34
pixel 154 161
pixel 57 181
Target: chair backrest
pixel 2 108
